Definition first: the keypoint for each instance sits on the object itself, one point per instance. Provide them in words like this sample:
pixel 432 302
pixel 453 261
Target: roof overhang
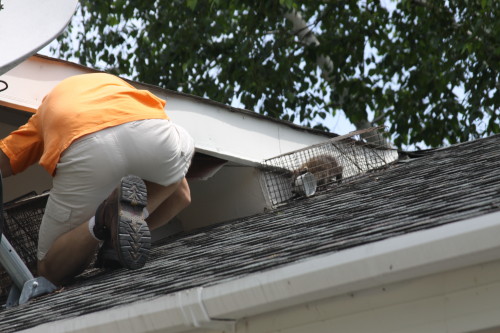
pixel 219 130
pixel 456 245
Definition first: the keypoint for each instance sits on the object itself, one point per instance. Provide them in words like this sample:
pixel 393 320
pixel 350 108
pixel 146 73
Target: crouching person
pixel 115 158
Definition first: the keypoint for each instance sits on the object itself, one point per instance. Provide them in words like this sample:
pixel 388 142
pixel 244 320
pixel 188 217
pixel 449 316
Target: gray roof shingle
pixel 441 186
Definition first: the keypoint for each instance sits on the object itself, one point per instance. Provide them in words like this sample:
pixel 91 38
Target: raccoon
pixel 325 169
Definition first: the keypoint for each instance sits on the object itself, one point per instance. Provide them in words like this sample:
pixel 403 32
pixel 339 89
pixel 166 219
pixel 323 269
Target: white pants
pixel 88 171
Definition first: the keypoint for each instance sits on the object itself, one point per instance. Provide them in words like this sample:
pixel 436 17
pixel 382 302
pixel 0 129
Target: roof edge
pixel 197 98
pixel 426 152
pixel 452 246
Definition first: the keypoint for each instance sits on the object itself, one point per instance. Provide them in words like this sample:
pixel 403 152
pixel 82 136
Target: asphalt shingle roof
pixel 441 186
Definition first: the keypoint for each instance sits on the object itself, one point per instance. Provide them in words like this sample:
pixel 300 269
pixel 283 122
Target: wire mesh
pixel 22 220
pixel 337 161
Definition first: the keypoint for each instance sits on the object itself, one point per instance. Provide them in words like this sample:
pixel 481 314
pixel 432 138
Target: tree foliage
pixel 429 70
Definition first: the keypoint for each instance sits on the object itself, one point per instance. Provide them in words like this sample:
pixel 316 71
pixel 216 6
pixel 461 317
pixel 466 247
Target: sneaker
pixel 119 219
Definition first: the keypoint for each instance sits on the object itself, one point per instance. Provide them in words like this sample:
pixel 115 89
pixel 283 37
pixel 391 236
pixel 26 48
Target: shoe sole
pixel 134 237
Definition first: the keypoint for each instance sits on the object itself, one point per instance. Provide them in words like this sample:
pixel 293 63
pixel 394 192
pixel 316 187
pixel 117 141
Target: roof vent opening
pixel 321 167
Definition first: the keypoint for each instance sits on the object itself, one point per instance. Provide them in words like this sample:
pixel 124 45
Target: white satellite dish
pixel 26 26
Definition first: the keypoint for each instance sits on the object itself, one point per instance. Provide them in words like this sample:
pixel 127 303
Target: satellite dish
pixel 26 26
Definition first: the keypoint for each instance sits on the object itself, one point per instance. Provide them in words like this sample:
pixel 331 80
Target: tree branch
pixel 325 63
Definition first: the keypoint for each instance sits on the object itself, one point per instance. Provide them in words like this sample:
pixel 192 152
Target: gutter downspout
pixel 220 306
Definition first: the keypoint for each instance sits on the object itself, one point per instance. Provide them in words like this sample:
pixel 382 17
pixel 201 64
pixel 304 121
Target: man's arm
pixel 5 165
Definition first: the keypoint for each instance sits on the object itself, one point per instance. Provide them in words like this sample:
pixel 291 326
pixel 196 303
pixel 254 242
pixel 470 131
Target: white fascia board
pixel 233 134
pixel 236 135
pixel 34 78
pixel 418 254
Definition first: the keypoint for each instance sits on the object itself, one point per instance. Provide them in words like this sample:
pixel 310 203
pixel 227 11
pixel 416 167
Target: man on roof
pixel 115 158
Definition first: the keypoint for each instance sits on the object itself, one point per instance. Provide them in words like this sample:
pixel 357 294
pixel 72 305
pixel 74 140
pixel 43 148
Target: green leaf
pixel 290 4
pixel 191 4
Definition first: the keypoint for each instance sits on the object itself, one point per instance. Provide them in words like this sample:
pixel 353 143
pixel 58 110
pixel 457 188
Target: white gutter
pixel 219 306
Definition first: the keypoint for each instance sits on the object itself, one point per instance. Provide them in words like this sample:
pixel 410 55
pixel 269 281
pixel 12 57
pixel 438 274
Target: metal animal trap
pixel 22 218
pixel 323 166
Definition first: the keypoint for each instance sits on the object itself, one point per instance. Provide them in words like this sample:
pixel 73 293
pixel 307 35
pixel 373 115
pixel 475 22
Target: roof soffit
pixel 219 130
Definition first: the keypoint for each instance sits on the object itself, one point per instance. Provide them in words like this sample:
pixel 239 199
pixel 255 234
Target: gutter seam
pixel 195 313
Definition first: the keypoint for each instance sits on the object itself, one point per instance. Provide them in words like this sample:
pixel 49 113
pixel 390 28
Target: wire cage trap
pixel 322 166
pixel 22 218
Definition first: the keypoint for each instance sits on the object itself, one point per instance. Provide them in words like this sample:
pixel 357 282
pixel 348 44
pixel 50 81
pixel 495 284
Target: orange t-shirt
pixel 77 106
